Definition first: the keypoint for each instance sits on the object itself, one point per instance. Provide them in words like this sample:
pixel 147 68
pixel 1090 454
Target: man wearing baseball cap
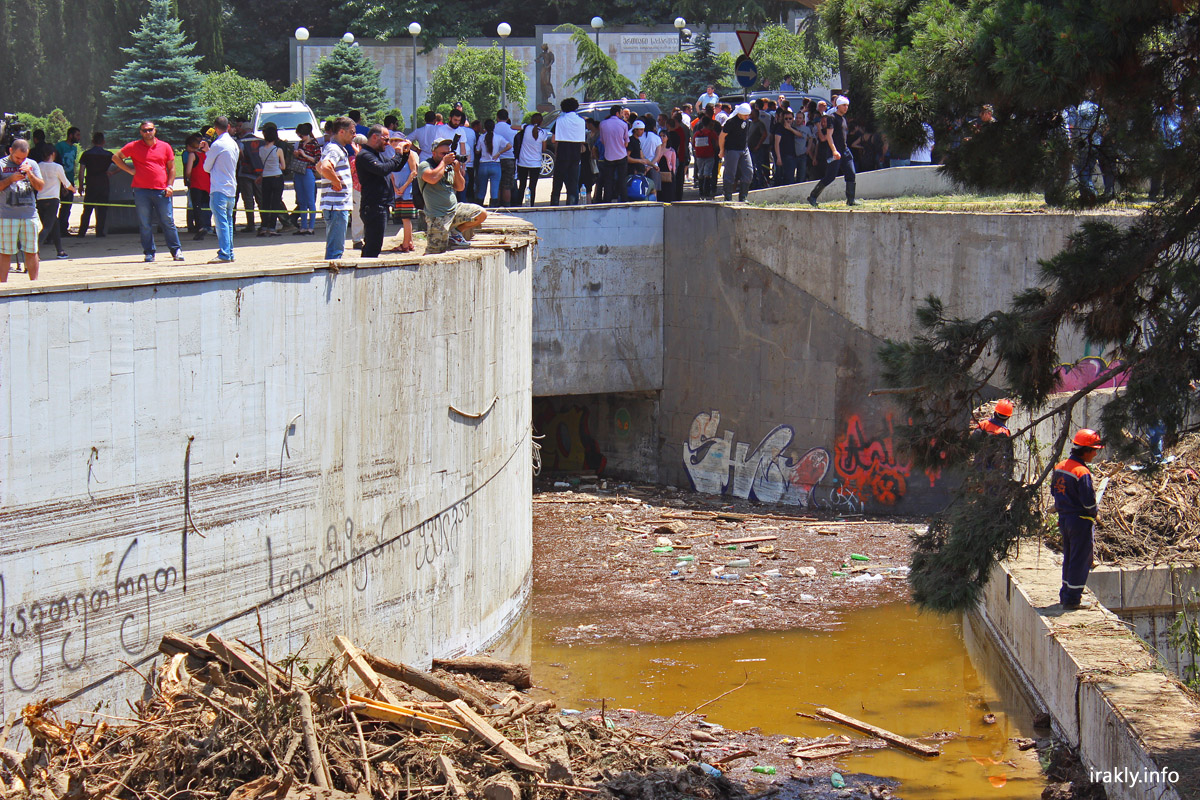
pixel 841 160
pixel 734 154
pixel 451 223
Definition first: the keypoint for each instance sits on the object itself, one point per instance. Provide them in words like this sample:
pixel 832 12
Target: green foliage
pixel 292 94
pixel 471 76
pixel 55 124
pixel 343 81
pixel 754 13
pixel 160 81
pixel 232 95
pixel 682 77
pixel 444 109
pixel 598 75
pixel 805 59
pixel 1184 635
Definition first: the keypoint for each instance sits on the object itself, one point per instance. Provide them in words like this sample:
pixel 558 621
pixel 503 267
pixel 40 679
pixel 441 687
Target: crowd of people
pixel 439 176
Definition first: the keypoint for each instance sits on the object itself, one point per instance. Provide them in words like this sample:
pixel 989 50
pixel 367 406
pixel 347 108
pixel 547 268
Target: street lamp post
pixel 597 24
pixel 348 37
pixel 680 25
pixel 301 37
pixel 414 30
pixel 503 30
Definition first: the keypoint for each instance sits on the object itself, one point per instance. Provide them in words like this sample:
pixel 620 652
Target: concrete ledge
pixel 1107 694
pixel 874 185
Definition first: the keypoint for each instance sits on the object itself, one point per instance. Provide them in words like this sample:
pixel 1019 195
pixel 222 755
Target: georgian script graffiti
pixel 868 466
pixel 63 633
pixel 64 627
pixel 718 466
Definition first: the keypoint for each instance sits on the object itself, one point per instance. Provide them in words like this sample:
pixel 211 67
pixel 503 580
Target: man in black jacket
pixel 376 194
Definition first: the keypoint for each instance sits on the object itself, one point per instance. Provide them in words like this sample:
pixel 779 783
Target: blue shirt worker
pixel 1075 502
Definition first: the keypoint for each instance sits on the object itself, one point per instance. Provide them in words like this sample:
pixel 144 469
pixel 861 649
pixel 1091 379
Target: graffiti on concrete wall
pixel 569 445
pixel 1073 377
pixel 766 473
pixel 868 467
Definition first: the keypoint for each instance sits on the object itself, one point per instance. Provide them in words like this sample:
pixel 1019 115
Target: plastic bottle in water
pixel 761 770
pixel 837 781
pixel 857 557
pixel 710 770
pixel 739 562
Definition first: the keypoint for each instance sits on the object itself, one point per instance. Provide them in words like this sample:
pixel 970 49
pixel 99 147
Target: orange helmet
pixel 1004 408
pixel 1086 437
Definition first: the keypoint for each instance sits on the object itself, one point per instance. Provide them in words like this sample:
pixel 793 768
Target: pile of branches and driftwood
pixel 1151 513
pixel 219 720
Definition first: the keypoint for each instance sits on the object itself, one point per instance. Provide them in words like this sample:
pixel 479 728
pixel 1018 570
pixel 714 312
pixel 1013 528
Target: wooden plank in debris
pixel 367 675
pixel 172 643
pixel 407 717
pixel 480 727
pixel 748 540
pixel 490 669
pixel 237 660
pixel 430 684
pixel 880 733
pixel 446 767
pixel 831 751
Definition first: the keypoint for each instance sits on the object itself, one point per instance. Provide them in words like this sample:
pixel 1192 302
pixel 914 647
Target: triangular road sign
pixel 747 39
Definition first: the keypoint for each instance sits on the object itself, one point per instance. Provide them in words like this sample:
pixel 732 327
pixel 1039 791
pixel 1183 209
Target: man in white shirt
pixel 709 98
pixel 570 142
pixel 466 150
pixel 221 164
pixel 686 113
pixel 429 132
pixel 508 159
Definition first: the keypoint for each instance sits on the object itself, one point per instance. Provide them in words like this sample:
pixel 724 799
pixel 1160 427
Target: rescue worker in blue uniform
pixel 995 453
pixel 1075 502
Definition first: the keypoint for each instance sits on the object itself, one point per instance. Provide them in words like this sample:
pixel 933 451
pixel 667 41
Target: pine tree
pixel 160 82
pixel 598 75
pixel 1133 290
pixel 346 80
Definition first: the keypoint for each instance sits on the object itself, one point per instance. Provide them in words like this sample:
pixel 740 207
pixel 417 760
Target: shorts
pixel 508 171
pixel 19 236
pixel 438 238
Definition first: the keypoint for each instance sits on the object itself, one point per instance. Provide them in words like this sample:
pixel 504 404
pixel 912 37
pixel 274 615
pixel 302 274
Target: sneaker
pixel 199 236
pixel 62 254
pixel 851 203
pixel 299 232
pixel 812 201
pixel 459 240
pixel 262 232
pixel 177 255
pixel 149 258
pixel 358 245
pixel 273 232
pixel 219 260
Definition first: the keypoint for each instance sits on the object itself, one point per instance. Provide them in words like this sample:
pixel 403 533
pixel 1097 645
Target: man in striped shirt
pixel 336 201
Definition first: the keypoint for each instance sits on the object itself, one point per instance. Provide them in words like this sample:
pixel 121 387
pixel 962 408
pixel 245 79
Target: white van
pixel 286 116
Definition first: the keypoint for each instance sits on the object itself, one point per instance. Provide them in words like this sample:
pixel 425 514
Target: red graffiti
pixel 868 467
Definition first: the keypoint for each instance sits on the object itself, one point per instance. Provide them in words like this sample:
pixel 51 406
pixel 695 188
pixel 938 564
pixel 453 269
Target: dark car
pixel 794 98
pixel 599 111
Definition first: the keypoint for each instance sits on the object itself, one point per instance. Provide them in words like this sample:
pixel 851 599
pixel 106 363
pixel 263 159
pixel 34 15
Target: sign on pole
pixel 745 71
pixel 747 39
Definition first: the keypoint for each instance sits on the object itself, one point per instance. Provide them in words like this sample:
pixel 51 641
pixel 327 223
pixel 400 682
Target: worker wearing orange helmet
pixel 993 440
pixel 1075 501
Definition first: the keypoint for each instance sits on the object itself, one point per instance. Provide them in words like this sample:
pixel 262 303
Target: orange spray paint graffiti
pixel 868 466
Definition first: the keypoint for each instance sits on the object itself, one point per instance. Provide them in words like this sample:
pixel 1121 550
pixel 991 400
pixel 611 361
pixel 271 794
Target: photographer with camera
pixel 450 222
pixel 20 182
pixel 376 194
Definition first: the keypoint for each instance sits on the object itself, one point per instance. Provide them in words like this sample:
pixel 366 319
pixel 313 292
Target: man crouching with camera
pixel 450 222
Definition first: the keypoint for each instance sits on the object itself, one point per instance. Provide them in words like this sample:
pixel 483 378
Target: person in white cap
pixel 734 155
pixel 841 160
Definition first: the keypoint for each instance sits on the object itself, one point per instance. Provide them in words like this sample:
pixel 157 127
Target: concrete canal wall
pixel 343 451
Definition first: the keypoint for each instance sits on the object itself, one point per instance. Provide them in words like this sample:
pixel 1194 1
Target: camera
pixel 459 157
pixel 11 129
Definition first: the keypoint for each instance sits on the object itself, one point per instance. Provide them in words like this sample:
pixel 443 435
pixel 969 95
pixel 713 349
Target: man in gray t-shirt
pixel 450 222
pixel 20 181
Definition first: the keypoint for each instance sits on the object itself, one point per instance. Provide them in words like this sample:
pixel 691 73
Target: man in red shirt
pixel 153 172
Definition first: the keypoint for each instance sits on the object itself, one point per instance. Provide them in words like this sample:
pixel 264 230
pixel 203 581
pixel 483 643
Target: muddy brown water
pixel 914 674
